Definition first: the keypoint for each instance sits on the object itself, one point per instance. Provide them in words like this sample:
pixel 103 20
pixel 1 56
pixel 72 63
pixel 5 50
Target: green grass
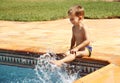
pixel 43 10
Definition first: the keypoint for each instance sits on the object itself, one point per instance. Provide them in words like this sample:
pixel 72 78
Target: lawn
pixel 43 10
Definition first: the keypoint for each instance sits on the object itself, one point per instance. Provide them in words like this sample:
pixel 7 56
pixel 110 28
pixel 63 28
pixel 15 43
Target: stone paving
pixel 55 35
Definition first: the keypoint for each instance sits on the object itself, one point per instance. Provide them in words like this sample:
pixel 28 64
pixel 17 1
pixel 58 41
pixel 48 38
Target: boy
pixel 80 38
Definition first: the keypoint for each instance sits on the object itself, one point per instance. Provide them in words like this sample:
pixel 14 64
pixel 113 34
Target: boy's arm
pixel 72 40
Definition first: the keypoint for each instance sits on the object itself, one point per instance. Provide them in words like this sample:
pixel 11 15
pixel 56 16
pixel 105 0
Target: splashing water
pixel 48 72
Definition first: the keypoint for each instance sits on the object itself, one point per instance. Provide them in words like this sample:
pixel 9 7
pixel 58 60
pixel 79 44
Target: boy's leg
pixel 68 58
pixel 82 53
pixel 66 53
pixel 71 57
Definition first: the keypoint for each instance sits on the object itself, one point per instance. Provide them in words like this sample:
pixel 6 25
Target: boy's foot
pixel 57 62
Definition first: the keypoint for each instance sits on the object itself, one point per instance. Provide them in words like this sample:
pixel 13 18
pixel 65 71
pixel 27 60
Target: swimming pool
pixel 44 72
pixel 39 70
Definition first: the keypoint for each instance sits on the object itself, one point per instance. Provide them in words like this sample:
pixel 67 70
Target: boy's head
pixel 76 13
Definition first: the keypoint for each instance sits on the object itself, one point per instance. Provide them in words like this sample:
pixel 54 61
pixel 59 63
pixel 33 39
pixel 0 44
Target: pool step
pixel 85 66
pixel 16 59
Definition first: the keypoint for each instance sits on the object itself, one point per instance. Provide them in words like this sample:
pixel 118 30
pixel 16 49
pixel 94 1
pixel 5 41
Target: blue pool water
pixel 10 74
pixel 44 72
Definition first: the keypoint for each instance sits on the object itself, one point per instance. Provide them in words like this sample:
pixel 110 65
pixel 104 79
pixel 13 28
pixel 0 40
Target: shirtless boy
pixel 80 42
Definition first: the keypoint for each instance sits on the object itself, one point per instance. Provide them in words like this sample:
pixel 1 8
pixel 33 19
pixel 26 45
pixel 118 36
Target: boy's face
pixel 74 19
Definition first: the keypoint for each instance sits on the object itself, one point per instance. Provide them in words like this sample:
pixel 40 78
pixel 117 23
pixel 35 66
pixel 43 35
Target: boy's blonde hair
pixel 76 10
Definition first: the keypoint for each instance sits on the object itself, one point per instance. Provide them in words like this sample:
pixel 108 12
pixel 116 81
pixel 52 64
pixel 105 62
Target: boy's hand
pixel 73 51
